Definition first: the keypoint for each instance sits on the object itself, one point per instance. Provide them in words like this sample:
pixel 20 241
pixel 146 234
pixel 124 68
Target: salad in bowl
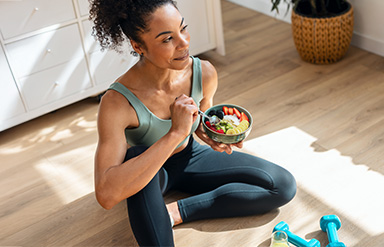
pixel 227 123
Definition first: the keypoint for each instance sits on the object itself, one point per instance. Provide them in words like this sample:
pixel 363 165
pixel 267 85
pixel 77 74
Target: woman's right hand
pixel 183 114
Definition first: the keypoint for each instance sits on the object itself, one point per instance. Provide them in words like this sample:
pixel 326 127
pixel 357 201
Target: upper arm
pixel 115 114
pixel 209 77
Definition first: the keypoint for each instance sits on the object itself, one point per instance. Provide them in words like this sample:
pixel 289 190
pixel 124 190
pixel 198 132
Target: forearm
pixel 121 181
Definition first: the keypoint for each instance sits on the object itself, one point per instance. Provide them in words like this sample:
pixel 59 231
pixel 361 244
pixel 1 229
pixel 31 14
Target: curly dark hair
pixel 116 20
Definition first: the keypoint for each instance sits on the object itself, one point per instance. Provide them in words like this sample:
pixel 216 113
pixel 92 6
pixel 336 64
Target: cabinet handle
pixel 36 9
pixel 49 50
pixel 56 83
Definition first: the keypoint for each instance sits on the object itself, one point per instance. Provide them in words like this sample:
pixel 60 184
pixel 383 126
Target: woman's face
pixel 167 41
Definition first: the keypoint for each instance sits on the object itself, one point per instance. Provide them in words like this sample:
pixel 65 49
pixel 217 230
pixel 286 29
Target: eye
pixel 184 28
pixel 167 39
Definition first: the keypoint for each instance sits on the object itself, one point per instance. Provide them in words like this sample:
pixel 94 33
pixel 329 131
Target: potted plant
pixel 322 29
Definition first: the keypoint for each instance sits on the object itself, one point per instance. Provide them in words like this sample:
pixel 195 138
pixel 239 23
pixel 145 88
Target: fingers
pixel 239 144
pixel 217 146
pixel 226 148
pixel 189 103
pixel 184 98
pixel 221 147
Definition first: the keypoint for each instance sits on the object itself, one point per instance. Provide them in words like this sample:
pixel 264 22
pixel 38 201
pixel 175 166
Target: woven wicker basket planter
pixel 322 40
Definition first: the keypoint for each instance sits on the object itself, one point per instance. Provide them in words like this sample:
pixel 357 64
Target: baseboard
pixel 368 43
pixel 264 6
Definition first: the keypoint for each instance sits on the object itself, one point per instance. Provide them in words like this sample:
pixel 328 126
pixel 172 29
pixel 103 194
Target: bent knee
pixel 287 187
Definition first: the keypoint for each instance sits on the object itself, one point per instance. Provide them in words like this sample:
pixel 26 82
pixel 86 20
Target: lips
pixel 183 57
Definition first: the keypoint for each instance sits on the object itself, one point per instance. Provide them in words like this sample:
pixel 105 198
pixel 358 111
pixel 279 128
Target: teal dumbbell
pixel 330 224
pixel 294 239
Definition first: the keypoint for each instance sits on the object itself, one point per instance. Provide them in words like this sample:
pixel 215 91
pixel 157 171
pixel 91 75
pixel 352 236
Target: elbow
pixel 105 200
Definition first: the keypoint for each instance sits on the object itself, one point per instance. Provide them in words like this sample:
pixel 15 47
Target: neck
pixel 156 77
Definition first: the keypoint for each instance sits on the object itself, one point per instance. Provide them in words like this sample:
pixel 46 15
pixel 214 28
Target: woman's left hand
pixel 210 83
pixel 217 146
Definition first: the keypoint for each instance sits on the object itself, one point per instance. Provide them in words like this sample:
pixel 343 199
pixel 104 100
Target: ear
pixel 136 47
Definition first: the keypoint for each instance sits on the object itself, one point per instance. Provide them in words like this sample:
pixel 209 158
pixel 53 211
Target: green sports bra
pixel 151 128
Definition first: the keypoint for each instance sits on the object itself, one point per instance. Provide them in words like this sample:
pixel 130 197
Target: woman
pixel 145 125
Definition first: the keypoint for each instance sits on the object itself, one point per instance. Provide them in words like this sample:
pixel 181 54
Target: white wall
pixel 369 25
pixel 369 21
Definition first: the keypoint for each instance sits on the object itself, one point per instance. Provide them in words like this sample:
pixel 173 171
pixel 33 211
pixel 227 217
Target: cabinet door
pixel 10 101
pixel 198 16
pixel 54 84
pixel 90 43
pixel 84 7
pixel 105 66
pixel 46 50
pixel 19 17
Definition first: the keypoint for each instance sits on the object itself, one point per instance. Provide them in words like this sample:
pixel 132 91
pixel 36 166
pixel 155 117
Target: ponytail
pixel 117 21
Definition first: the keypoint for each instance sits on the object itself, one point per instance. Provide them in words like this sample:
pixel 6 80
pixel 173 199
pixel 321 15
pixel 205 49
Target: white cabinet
pixel 198 16
pixel 53 85
pixel 20 17
pixel 100 62
pixel 10 101
pixel 46 50
pixel 83 7
pixel 48 58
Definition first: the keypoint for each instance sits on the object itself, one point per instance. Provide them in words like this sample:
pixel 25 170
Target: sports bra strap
pixel 139 107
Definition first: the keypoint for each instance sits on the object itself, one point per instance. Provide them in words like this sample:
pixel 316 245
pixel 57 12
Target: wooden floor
pixel 323 123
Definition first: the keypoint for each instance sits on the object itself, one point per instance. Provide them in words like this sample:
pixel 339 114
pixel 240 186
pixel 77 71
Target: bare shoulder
pixel 115 111
pixel 209 72
pixel 210 82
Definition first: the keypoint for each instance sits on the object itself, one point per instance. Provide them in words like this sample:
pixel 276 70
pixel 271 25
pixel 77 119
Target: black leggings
pixel 221 185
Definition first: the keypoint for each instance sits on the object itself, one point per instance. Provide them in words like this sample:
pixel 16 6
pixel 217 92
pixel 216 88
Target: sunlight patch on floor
pixel 69 174
pixel 88 125
pixel 11 150
pixel 19 146
pixel 60 135
pixel 351 189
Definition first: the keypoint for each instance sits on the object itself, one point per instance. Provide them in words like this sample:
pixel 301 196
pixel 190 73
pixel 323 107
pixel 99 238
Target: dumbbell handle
pixel 296 240
pixel 332 232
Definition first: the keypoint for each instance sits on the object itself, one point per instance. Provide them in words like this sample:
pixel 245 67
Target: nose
pixel 184 42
